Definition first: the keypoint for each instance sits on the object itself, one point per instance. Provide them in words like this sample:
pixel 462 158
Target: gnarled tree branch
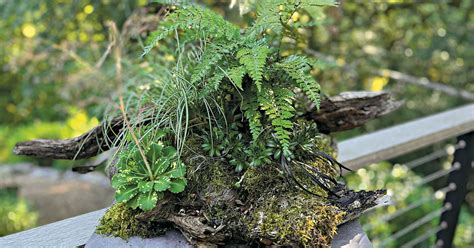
pixel 349 110
pixel 90 144
pixel 341 112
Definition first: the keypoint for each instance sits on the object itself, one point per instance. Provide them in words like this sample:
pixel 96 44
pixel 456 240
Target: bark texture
pixel 349 110
pixel 338 113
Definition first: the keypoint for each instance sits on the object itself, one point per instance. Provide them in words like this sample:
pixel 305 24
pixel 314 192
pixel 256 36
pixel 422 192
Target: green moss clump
pixel 286 215
pixel 301 221
pixel 325 143
pixel 120 221
pixel 258 204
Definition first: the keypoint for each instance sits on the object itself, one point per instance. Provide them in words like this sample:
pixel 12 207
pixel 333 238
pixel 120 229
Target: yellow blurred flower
pixel 79 122
pixel 28 30
pixel 378 83
pixel 88 9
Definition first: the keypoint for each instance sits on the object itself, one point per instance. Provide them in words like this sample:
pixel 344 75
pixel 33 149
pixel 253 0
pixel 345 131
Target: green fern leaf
pixel 210 58
pixel 254 59
pixel 212 84
pixel 236 75
pixel 278 106
pixel 252 114
pixel 298 69
pixel 196 23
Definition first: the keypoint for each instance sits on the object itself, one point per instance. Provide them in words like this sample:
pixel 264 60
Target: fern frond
pixel 275 14
pixel 212 84
pixel 195 23
pixel 268 17
pixel 278 106
pixel 252 114
pixel 210 57
pixel 254 59
pixel 157 36
pixel 236 75
pixel 298 69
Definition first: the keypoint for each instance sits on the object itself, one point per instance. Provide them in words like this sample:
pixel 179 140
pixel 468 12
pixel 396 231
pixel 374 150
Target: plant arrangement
pixel 214 136
pixel 232 99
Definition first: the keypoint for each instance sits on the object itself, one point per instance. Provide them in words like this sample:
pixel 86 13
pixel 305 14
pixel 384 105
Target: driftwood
pixel 341 112
pixel 349 110
pixel 90 144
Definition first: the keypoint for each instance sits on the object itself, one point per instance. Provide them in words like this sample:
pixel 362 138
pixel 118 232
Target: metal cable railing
pixel 412 206
pixel 430 216
pixel 428 234
pixel 460 156
pixel 434 155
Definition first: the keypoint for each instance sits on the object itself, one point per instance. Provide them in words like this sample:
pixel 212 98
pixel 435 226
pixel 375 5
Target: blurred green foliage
pixel 48 55
pixel 424 39
pixel 15 214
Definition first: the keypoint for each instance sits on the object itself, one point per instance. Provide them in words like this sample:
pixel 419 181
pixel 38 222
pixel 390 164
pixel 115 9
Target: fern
pixel 194 22
pixel 236 75
pixel 268 17
pixel 212 84
pixel 298 68
pixel 254 59
pixel 209 59
pixel 278 106
pixel 275 14
pixel 252 114
pixel 227 55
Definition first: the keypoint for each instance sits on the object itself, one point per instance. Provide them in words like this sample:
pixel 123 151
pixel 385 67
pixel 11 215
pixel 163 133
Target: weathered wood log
pixel 349 110
pixel 90 144
pixel 341 112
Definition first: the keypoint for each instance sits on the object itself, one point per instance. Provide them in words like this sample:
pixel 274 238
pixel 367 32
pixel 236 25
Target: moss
pixel 309 226
pixel 264 207
pixel 120 221
pixel 324 143
pixel 293 218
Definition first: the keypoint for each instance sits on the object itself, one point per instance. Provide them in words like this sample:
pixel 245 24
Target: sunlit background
pixel 56 83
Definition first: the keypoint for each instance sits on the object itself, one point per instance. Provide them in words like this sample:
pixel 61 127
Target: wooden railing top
pixel 400 139
pixel 355 153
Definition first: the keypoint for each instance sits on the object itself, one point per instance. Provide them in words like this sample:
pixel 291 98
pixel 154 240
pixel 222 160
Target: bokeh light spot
pixel 88 9
pixel 28 30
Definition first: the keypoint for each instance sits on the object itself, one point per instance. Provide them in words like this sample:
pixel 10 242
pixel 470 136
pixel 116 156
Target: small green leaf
pixel 126 194
pixel 137 156
pixel 147 201
pixel 145 186
pixel 161 166
pixel 179 170
pixel 162 184
pixel 119 180
pixel 133 203
pixel 160 134
pixel 169 152
pixel 154 152
pixel 178 185
pixel 235 75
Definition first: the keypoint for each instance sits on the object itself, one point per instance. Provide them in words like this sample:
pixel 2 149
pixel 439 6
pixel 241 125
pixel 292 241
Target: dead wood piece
pixel 90 144
pixel 193 227
pixel 349 110
pixel 341 112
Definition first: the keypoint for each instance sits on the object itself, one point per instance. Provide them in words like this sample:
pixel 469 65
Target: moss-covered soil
pixel 257 207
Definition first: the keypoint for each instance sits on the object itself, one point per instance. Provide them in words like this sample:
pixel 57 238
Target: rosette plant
pixel 142 181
